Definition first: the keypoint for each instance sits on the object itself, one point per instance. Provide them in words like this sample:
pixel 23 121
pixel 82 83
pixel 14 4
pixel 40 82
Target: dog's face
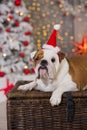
pixel 46 64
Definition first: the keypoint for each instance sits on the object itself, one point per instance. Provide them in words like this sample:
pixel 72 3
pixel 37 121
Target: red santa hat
pixel 51 43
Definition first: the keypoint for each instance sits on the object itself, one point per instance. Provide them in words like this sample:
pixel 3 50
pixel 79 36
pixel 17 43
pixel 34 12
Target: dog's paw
pixel 26 87
pixel 55 100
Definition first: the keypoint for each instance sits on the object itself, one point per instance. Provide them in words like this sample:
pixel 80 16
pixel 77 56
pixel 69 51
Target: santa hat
pixel 51 43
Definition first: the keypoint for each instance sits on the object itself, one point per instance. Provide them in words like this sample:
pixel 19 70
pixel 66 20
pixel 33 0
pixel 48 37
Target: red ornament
pixel 21 54
pixel 11 17
pixel 16 23
pixel 81 47
pixel 2 74
pixel 26 19
pixel 32 70
pixel 8 30
pixel 27 33
pixel 25 43
pixel 17 2
pixel 26 71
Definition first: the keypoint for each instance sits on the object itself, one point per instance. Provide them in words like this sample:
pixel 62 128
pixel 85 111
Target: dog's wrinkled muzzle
pixel 42 72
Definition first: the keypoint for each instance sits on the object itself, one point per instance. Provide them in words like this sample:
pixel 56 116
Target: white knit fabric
pixel 56 49
pixel 57 26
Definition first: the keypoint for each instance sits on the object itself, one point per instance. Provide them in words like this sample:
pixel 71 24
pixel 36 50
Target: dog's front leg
pixel 57 93
pixel 28 86
pixel 56 97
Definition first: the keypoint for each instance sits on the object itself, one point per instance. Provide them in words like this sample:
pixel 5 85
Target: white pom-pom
pixel 57 26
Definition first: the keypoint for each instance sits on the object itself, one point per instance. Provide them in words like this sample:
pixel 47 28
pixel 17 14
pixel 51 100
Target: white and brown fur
pixel 63 74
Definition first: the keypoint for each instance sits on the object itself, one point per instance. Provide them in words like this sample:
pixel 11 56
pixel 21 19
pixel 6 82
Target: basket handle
pixel 70 107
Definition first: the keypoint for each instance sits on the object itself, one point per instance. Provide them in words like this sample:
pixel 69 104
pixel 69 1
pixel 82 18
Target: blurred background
pixel 25 23
pixel 70 14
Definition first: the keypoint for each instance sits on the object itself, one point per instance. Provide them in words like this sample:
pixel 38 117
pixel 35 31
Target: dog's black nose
pixel 44 62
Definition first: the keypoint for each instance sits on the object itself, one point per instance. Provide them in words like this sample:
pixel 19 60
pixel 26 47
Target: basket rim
pixel 34 94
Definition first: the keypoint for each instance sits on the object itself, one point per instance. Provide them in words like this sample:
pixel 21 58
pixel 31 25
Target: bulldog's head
pixel 46 63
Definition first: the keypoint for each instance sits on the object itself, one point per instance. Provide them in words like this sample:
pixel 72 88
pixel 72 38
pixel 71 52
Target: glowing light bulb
pixel 21 13
pixel 4 54
pixel 25 67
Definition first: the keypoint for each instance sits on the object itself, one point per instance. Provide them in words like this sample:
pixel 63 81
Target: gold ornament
pixel 38 45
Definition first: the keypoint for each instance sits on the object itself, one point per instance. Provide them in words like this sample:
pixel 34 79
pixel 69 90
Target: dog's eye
pixel 53 60
pixel 36 59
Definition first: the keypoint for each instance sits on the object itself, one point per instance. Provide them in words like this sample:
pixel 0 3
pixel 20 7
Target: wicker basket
pixel 32 111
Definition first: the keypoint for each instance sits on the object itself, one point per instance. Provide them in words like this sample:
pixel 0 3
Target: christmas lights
pixel 15 39
pixel 64 12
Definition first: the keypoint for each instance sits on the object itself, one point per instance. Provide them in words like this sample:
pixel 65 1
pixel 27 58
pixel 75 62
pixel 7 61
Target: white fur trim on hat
pixel 56 49
pixel 57 26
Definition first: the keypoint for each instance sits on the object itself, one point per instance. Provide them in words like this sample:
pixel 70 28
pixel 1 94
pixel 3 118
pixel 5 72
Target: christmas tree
pixel 16 39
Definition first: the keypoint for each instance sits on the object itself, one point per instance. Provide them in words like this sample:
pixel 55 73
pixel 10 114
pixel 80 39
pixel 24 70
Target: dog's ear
pixel 33 54
pixel 61 56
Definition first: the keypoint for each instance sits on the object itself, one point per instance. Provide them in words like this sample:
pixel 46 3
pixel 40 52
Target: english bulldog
pixel 57 74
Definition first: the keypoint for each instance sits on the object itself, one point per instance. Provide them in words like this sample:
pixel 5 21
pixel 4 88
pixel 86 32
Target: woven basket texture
pixel 31 110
